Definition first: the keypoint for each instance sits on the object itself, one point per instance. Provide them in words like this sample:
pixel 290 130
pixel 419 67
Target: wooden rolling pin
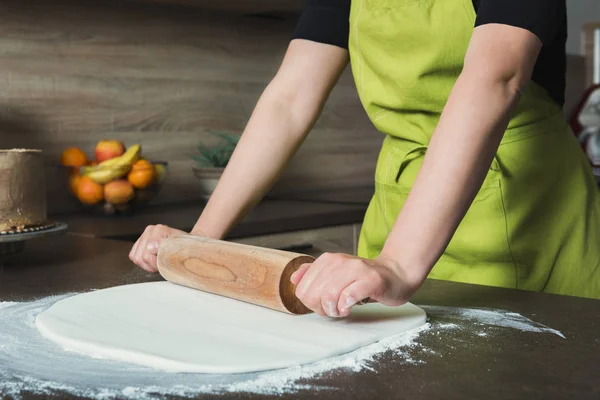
pixel 253 274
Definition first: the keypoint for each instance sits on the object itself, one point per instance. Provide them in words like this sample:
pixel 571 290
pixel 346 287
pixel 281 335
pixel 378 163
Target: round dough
pixel 178 329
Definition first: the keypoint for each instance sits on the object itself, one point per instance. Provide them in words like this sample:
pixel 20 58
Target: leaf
pixel 206 153
pixel 218 155
pixel 231 139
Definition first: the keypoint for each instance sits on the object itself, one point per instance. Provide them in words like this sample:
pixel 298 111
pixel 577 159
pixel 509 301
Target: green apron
pixel 535 223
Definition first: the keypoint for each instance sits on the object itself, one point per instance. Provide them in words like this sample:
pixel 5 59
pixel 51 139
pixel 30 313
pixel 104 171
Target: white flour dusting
pixel 498 318
pixel 31 364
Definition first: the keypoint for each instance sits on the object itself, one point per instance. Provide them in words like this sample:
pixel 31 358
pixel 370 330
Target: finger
pixel 353 294
pixel 135 252
pixel 326 286
pixel 329 304
pixel 133 249
pixel 297 276
pixel 303 285
pixel 309 297
pixel 332 290
pixel 138 257
pixel 311 274
pixel 150 262
pixel 162 232
pixel 139 251
pixel 327 282
pixel 153 247
pixel 333 278
pixel 147 261
pixel 319 311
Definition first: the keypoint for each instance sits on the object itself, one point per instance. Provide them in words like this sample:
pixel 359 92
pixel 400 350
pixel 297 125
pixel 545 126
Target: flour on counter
pixel 31 364
pixel 500 318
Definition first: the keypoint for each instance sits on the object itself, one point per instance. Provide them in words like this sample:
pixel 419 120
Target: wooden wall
pixel 246 6
pixel 588 49
pixel 72 73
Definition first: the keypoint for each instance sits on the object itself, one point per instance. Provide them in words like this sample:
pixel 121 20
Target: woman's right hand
pixel 145 250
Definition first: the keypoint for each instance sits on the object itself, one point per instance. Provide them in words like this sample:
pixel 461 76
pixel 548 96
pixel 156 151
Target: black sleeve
pixel 543 18
pixel 325 21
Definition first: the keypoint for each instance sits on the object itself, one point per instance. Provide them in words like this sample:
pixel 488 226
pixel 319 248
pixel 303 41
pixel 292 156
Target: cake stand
pixel 14 241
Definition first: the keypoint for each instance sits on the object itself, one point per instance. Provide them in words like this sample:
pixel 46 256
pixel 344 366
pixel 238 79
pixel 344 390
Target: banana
pixel 160 173
pixel 114 168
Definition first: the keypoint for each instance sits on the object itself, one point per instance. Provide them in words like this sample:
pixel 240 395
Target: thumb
pixel 299 274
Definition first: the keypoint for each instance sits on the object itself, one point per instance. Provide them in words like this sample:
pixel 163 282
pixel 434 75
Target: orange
pixel 88 191
pixel 142 174
pixel 73 182
pixel 73 157
pixel 118 192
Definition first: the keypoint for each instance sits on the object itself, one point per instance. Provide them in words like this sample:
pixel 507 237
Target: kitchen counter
pixel 457 363
pixel 268 217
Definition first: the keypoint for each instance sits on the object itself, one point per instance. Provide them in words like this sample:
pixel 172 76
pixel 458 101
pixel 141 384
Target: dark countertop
pixel 459 364
pixel 268 217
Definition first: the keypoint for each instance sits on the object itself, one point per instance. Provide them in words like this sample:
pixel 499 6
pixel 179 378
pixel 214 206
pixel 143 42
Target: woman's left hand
pixel 334 283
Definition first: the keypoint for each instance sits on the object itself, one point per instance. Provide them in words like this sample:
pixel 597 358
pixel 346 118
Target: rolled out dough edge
pixel 107 351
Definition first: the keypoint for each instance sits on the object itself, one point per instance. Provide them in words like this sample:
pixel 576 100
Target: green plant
pixel 217 156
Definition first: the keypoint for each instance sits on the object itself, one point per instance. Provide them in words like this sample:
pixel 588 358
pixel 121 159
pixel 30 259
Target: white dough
pixel 177 329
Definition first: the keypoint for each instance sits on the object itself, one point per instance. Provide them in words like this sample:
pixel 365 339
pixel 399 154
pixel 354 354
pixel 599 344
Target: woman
pixel 479 178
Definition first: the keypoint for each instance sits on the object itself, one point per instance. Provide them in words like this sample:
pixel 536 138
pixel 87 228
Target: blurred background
pixel 165 74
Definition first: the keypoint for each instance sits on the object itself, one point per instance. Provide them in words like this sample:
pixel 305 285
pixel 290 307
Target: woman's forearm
pixel 275 131
pixel 283 116
pixel 498 65
pixel 456 163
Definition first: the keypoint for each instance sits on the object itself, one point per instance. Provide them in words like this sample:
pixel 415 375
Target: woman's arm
pixel 498 64
pixel 283 117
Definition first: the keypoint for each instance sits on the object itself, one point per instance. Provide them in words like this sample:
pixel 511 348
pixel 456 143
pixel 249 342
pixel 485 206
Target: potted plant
pixel 211 161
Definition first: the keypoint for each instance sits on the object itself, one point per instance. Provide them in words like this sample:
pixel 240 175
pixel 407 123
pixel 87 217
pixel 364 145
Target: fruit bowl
pixel 116 190
pixel 119 181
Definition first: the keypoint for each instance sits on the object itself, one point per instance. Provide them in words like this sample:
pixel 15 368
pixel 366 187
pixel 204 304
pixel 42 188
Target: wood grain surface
pixel 239 5
pixel 588 49
pixel 72 73
pixel 253 274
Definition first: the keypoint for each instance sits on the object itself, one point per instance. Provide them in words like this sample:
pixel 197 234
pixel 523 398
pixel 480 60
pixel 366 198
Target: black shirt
pixel 327 21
